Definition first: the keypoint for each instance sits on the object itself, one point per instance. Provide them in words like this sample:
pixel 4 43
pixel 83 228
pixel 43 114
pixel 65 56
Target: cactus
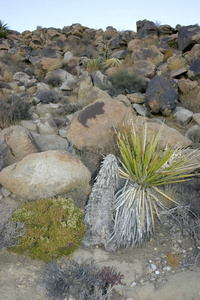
pixel 99 210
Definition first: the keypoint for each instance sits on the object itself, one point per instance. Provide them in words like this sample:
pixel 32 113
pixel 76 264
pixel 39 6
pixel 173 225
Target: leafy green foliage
pixel 3 29
pixel 53 227
pixel 145 168
pixel 124 82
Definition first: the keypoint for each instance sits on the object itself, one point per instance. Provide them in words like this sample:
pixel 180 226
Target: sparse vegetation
pixel 47 97
pixel 13 111
pixel 54 80
pixel 52 228
pixel 83 281
pixel 93 65
pixel 124 82
pixel 7 76
pixel 3 29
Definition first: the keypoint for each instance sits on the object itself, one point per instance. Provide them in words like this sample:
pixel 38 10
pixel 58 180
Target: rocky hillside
pixel 65 92
pixel 67 89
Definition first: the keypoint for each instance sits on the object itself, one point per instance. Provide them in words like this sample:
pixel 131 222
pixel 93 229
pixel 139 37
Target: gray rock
pixel 50 141
pixel 193 133
pixel 183 116
pixel 161 95
pixel 188 36
pixel 145 28
pixel 46 175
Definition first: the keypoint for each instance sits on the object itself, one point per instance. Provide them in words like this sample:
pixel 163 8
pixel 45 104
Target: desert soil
pixel 165 268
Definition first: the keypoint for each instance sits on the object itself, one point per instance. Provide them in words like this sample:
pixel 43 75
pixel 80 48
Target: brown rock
pixel 18 142
pixel 94 125
pixel 196 117
pixel 51 64
pixel 169 137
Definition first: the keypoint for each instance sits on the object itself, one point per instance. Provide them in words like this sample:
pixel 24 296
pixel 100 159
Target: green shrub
pixel 3 30
pixel 124 82
pixel 53 227
pixel 145 168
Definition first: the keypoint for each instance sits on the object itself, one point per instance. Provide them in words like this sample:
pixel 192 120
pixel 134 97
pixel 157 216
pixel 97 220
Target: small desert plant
pixel 7 76
pixel 124 82
pixel 111 62
pixel 54 80
pixel 47 97
pixel 93 65
pixel 13 111
pixel 145 168
pixel 84 281
pixel 52 228
pixel 3 29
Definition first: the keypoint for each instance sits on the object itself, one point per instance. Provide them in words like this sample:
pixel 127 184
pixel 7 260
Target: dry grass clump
pixel 176 62
pixel 173 260
pixel 7 76
pixel 13 110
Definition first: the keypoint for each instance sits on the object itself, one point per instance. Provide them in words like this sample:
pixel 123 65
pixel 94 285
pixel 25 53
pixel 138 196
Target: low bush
pixel 13 111
pixel 124 82
pixel 51 228
pixel 54 80
pixel 83 281
pixel 47 97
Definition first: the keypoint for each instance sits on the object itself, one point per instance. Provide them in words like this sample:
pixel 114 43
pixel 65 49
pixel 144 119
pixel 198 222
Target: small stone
pixel 133 284
pixel 167 268
pixel 157 272
pixel 153 267
pixel 5 192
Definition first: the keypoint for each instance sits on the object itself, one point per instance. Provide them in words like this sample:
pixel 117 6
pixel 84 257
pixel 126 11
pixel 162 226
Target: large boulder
pixel 92 130
pixel 169 137
pixel 16 142
pixel 161 95
pixel 151 53
pixel 94 125
pixel 194 71
pixel 145 28
pixel 46 175
pixel 188 36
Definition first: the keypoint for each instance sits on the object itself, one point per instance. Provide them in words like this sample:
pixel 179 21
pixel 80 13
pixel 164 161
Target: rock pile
pixel 57 147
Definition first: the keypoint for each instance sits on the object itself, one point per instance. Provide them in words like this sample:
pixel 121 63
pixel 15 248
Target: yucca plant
pixel 146 169
pixel 111 62
pixel 3 29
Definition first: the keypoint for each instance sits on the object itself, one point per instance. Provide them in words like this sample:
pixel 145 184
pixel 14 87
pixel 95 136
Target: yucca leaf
pixel 163 194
